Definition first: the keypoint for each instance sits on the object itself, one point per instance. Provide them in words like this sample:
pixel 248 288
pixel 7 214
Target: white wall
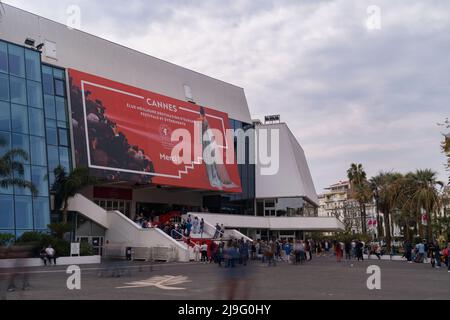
pixel 88 53
pixel 125 233
pixel 89 209
pixel 274 223
pixel 293 178
pixel 121 232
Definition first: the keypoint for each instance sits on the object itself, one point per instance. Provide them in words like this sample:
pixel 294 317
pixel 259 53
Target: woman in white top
pixel 196 252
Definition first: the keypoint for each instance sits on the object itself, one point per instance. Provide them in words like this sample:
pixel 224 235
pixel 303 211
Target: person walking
pixel 222 231
pixel 216 234
pixel 338 251
pixel 307 251
pixel 420 249
pixel 202 227
pixel 377 251
pixel 348 250
pixel 196 252
pixel 196 226
pixel 204 249
pixel 359 250
pixel 448 259
pixel 408 251
pixel 435 254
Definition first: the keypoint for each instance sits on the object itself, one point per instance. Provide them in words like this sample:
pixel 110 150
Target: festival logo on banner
pixel 123 133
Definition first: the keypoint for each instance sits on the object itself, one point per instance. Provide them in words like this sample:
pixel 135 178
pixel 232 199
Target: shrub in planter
pixel 59 229
pixel 28 237
pixel 6 238
pixel 86 249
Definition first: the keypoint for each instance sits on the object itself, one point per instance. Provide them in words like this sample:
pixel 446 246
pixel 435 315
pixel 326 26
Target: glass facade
pixel 33 117
pixel 242 203
pixel 56 120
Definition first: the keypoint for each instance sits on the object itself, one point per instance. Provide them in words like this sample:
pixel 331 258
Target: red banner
pixel 125 133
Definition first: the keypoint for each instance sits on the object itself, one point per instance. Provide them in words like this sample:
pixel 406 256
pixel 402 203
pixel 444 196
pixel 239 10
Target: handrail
pixel 183 237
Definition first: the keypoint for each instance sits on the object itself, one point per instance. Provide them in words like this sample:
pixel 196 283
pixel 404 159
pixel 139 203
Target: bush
pixel 37 241
pixel 86 249
pixel 28 237
pixel 6 239
pixel 59 229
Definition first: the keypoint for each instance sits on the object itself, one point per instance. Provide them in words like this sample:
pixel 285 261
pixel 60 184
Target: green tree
pixel 426 195
pixel 12 169
pixel 446 143
pixel 387 190
pixel 360 190
pixel 67 186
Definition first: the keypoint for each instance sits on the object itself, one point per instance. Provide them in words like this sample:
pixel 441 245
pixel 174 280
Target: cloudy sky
pixel 348 92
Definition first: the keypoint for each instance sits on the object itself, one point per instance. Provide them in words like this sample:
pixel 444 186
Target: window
pixel 50 111
pixel 4 87
pixel 53 158
pixel 39 178
pixel 64 158
pixel 59 74
pixel 7 216
pixel 6 137
pixel 59 88
pixel 62 124
pixel 51 178
pixel 47 80
pixel 52 136
pixel 41 210
pixel 20 141
pixel 5 116
pixel 38 151
pixel 63 137
pixel 18 90
pixel 25 176
pixel 34 91
pixel 19 119
pixel 37 127
pixel 60 109
pixel 3 57
pixel 16 61
pixel 24 213
pixel 33 65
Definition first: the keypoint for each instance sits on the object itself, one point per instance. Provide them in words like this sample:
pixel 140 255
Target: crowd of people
pixel 109 147
pixel 433 252
pixel 181 230
pixel 232 252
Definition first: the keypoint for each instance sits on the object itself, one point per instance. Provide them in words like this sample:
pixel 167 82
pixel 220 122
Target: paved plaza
pixel 321 278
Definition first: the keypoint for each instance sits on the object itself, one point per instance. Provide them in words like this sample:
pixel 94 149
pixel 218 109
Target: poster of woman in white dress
pixel 217 172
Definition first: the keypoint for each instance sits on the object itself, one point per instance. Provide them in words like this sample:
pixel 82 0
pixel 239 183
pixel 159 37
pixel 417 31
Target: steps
pixel 121 232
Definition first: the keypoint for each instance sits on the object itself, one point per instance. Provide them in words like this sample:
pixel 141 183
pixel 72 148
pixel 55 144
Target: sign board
pixel 124 133
pixel 273 118
pixel 75 249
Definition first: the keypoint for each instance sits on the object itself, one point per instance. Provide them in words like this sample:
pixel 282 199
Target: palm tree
pixel 360 190
pixel 67 186
pixel 375 183
pixel 10 163
pixel 426 195
pixel 386 186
